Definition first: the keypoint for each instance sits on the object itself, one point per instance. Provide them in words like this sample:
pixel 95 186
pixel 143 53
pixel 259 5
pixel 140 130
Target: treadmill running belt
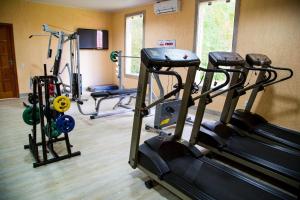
pixel 266 129
pixel 242 145
pixel 212 180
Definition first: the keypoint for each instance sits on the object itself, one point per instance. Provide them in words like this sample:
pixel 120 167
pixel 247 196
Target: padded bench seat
pixel 114 93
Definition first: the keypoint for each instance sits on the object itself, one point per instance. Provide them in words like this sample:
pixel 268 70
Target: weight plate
pixel 32 99
pixel 52 131
pixel 28 115
pixel 114 56
pixel 65 123
pixel 61 103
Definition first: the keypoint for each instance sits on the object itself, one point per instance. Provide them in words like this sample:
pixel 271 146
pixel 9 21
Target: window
pixel 215 31
pixel 134 42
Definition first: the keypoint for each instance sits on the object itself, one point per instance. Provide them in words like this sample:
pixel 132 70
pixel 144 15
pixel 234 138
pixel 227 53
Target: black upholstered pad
pixel 114 93
pixel 258 59
pixel 226 59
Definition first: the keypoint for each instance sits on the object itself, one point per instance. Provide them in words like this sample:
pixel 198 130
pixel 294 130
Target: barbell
pixel 114 55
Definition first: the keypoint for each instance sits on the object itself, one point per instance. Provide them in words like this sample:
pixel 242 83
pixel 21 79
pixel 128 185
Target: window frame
pixel 235 26
pixel 143 12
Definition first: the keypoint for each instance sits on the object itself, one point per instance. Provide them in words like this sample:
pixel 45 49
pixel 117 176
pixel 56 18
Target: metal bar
pixel 49 53
pixel 78 66
pixel 44 146
pixel 138 115
pixel 68 144
pixel 52 160
pixel 106 114
pixel 57 60
pixel 72 67
pixel 201 105
pixel 190 78
pixel 129 56
pixel 150 90
pixel 217 87
pixel 231 100
pixel 168 95
pixel 159 84
pixel 120 72
pixel 254 92
pixel 34 108
pixel 283 79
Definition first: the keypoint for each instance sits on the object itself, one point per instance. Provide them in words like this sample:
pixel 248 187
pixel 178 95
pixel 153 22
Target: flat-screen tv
pixel 93 39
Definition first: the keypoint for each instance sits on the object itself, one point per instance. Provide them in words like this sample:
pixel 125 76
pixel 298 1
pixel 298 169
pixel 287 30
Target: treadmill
pixel 174 163
pixel 232 143
pixel 256 125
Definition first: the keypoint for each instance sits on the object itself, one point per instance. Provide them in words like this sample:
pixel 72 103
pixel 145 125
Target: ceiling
pixel 104 5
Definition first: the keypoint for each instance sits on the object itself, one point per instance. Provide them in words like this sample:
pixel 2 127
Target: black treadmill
pixel 232 143
pixel 174 163
pixel 256 125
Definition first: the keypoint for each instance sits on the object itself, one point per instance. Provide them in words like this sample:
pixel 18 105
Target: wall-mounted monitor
pixel 93 39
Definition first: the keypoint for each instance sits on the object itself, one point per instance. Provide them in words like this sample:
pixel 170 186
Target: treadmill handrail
pixel 215 88
pixel 169 94
pixel 237 85
pixel 266 80
pixel 282 79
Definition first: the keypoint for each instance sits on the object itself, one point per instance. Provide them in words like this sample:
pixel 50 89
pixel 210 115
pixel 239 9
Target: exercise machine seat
pixel 114 93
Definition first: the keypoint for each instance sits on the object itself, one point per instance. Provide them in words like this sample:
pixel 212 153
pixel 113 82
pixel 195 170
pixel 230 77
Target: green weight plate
pixel 114 56
pixel 28 115
pixel 53 132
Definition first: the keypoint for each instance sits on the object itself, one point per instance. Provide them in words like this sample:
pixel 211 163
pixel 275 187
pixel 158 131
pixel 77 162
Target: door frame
pixel 12 43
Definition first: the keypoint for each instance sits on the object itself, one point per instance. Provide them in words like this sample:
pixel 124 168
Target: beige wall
pixel 27 19
pixel 177 26
pixel 271 27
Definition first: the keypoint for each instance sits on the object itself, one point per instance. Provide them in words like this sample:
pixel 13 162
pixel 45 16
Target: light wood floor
pixel 101 172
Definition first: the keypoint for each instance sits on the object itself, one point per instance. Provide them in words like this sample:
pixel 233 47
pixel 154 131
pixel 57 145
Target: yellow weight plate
pixel 61 103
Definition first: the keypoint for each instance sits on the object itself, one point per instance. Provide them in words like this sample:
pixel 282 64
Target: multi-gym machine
pixel 173 162
pixel 72 69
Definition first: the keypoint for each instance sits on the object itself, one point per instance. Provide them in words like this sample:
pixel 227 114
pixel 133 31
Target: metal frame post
pixel 120 72
pixel 78 67
pixel 138 115
pixel 72 66
pixel 231 100
pixel 202 104
pixel 190 78
pixel 254 92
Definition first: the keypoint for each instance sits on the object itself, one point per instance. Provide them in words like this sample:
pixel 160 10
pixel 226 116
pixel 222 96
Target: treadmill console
pixel 258 59
pixel 226 59
pixel 165 57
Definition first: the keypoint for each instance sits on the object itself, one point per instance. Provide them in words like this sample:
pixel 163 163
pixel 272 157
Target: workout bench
pixel 112 94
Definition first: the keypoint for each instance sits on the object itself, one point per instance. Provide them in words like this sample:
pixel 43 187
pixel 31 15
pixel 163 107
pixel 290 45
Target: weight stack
pixel 75 92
